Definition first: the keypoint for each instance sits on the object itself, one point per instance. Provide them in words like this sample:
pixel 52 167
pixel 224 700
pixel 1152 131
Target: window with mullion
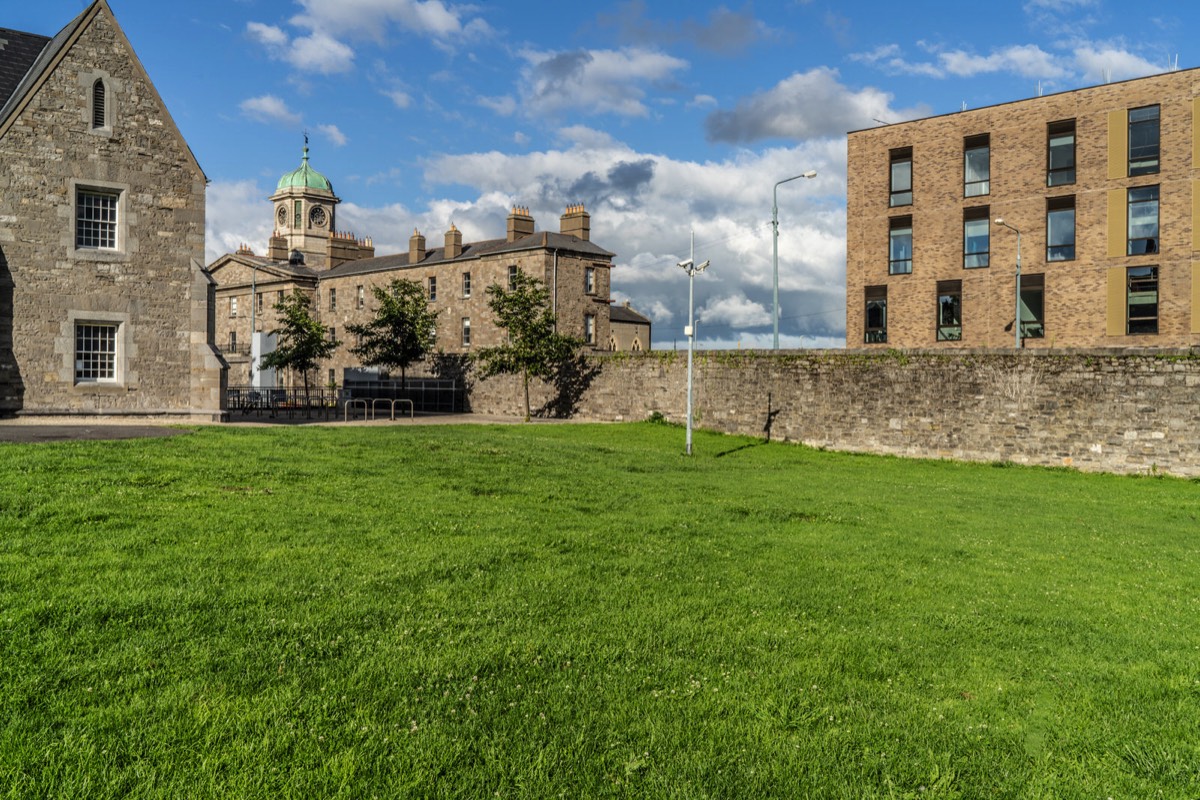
pixel 949 311
pixel 977 166
pixel 976 237
pixel 901 177
pixel 1061 153
pixel 1033 295
pixel 875 331
pixel 96 220
pixel 900 246
pixel 1060 229
pixel 1143 140
pixel 95 352
pixel 1142 300
pixel 1143 220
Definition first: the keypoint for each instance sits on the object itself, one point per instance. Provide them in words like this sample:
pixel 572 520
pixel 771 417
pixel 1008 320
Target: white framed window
pixel 233 306
pixel 589 280
pixel 512 278
pixel 333 299
pixel 589 328
pixel 466 284
pixel 362 296
pixel 95 352
pixel 466 332
pixel 97 219
pixel 432 289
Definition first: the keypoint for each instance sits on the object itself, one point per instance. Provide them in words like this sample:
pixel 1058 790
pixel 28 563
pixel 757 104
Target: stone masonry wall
pixel 1099 410
pixel 149 285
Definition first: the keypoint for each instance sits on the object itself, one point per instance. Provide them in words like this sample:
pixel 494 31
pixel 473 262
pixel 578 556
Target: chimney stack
pixel 416 247
pixel 520 224
pixel 453 242
pixel 576 222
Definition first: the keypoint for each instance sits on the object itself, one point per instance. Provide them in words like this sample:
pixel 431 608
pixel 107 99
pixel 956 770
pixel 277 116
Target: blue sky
pixel 662 117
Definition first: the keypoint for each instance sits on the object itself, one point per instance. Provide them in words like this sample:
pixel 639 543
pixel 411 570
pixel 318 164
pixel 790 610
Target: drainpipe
pixel 554 292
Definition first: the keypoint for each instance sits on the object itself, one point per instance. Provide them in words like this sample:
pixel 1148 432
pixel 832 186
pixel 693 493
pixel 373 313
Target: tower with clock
pixel 305 210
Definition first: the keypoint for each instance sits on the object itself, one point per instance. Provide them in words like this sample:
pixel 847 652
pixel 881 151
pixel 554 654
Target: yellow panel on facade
pixel 1116 301
pixel 1118 144
pixel 1196 297
pixel 1195 133
pixel 1117 233
pixel 1196 215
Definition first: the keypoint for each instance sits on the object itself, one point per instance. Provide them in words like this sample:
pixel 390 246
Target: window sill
pixel 98 255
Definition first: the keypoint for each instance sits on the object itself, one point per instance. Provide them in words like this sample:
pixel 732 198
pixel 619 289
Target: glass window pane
pixel 977 170
pixel 900 253
pixel 1060 234
pixel 975 243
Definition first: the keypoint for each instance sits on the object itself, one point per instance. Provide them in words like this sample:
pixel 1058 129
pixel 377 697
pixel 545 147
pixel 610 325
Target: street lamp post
pixel 1017 319
pixel 691 268
pixel 775 242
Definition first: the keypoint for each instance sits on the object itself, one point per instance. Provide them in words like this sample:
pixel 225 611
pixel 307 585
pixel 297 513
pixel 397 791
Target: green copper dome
pixel 305 178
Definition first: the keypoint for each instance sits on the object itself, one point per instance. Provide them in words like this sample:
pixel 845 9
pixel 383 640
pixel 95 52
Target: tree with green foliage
pixel 534 348
pixel 402 331
pixel 303 342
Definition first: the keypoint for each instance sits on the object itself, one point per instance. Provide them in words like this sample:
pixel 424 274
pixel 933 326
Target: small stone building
pixel 104 301
pixel 338 270
pixel 630 330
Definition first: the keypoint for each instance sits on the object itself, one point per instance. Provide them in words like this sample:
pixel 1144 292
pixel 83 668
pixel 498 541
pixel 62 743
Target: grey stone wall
pixel 150 284
pixel 1101 410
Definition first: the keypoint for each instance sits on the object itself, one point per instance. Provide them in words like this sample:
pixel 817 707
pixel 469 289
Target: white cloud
pixel 643 207
pixel 702 101
pixel 315 53
pixel 269 109
pixel 593 81
pixel 399 98
pixel 1029 61
pixel 371 19
pixel 520 138
pixel 237 213
pixel 806 105
pixel 504 105
pixel 334 134
pixel 1099 62
pixel 736 311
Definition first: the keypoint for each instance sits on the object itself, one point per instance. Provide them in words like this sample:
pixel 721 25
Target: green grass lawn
pixel 582 611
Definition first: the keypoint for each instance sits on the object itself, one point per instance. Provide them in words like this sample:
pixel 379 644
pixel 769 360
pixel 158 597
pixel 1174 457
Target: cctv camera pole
pixel 691 334
pixel 691 268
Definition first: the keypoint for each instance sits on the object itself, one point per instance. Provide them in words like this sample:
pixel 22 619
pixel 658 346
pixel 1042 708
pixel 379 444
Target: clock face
pixel 317 217
pixel 282 215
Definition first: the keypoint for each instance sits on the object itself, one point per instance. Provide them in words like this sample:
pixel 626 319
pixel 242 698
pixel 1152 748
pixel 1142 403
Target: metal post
pixel 691 332
pixel 775 246
pixel 691 268
pixel 1018 317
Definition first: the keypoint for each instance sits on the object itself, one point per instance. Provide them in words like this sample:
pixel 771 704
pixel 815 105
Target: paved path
pixel 64 429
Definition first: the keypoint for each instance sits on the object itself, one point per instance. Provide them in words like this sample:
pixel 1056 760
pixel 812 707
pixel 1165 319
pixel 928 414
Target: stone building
pixel 630 330
pixel 1101 185
pixel 104 302
pixel 338 271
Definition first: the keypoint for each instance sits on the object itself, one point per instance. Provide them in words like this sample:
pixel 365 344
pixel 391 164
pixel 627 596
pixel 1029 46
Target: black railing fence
pixel 428 395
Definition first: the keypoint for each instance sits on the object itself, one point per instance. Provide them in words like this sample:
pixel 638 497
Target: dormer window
pixel 99 104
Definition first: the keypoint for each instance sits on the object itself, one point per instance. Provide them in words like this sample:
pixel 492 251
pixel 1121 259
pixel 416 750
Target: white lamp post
pixel 691 268
pixel 775 241
pixel 1017 319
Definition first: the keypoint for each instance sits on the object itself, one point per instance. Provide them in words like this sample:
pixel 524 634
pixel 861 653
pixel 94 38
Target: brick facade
pixel 145 286
pixel 1085 301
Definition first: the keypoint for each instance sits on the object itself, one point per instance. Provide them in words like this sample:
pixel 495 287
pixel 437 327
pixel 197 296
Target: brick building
pixel 338 270
pixel 104 302
pixel 1102 185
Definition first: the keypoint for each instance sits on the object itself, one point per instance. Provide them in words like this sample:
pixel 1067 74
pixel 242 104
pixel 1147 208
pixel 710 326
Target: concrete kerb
pixel 57 429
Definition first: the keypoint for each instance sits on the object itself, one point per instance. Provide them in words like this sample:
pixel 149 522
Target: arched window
pixel 99 119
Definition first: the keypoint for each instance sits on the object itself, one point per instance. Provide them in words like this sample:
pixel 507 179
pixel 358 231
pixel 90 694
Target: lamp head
pixel 999 220
pixel 812 173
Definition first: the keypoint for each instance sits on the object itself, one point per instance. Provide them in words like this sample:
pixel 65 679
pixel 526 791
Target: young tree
pixel 534 349
pixel 402 331
pixel 303 342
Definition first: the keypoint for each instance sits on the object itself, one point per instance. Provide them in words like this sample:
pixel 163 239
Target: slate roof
pixel 538 241
pixel 12 90
pixel 619 313
pixel 263 263
pixel 18 51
